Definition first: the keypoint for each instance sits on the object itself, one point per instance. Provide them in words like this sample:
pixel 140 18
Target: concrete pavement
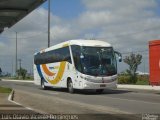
pixel 55 105
pixel 116 103
pixel 9 110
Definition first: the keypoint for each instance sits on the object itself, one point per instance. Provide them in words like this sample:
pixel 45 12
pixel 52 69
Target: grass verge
pixel 5 90
pixel 141 79
pixel 142 82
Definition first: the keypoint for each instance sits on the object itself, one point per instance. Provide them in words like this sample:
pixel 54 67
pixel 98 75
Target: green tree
pixel 0 70
pixel 22 72
pixel 133 61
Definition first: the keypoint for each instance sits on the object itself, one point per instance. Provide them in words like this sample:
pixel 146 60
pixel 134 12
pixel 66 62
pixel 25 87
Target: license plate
pixel 102 85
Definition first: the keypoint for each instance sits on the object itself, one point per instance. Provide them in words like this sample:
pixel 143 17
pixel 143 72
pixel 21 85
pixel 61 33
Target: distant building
pixel 142 73
pixel 154 62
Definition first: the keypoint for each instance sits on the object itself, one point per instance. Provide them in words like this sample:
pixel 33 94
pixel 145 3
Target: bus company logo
pixel 51 68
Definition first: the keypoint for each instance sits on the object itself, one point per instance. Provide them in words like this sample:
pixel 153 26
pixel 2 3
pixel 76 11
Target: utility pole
pixel 48 23
pixel 144 65
pixel 12 67
pixel 20 63
pixel 19 60
pixel 16 56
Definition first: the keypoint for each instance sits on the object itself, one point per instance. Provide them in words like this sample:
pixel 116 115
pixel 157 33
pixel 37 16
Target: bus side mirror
pixel 119 56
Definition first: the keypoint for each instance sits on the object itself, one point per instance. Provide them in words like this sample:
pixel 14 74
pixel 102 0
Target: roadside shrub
pixel 123 79
pixel 29 78
pixel 140 79
pixel 133 79
pixel 143 80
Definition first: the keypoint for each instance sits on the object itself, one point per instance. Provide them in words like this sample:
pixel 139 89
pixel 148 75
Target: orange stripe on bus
pixel 45 69
pixel 59 74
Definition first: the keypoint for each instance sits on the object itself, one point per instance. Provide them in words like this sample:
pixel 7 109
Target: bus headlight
pixel 85 85
pixel 87 79
pixel 84 78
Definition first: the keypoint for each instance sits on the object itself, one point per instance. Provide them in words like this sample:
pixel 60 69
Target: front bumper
pixel 91 85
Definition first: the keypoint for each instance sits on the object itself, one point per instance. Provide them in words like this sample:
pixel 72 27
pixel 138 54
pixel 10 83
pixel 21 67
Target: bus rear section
pixel 51 67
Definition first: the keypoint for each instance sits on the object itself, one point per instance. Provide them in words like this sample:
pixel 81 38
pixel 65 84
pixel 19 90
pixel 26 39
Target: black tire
pixel 42 85
pixel 99 91
pixel 70 87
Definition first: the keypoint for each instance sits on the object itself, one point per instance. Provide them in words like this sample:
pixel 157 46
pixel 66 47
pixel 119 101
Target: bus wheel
pixel 99 91
pixel 42 85
pixel 70 86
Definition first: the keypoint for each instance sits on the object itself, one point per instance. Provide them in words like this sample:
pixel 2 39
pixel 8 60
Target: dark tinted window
pixel 95 61
pixel 76 51
pixel 58 55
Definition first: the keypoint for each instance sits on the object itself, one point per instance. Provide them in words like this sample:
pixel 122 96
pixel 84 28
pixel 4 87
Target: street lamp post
pixel 48 23
pixel 20 61
pixel 16 56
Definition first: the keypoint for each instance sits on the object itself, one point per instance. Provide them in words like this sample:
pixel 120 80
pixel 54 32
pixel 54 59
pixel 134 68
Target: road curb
pixel 27 81
pixel 140 87
pixel 10 98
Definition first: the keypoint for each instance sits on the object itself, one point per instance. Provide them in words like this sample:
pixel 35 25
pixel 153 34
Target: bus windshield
pixel 95 61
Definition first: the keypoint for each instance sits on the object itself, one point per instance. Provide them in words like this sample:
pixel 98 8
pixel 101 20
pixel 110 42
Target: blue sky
pixel 158 8
pixel 66 9
pixel 126 24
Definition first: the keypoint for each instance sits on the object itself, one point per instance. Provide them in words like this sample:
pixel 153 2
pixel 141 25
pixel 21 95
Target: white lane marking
pixel 54 93
pixel 10 99
pixel 28 108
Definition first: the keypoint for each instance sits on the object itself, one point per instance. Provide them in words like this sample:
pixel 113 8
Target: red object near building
pixel 154 62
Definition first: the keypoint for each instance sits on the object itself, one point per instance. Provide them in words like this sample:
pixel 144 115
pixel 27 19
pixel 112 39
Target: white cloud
pixel 92 19
pixel 131 23
pixel 62 33
pixel 127 24
pixel 119 4
pixel 35 21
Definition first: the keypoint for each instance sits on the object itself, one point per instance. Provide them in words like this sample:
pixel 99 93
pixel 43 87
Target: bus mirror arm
pixel 119 56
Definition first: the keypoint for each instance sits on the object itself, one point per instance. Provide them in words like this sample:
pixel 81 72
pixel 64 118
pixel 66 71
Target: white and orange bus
pixel 77 64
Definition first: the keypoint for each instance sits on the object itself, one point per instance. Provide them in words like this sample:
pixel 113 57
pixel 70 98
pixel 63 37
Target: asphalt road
pixel 121 101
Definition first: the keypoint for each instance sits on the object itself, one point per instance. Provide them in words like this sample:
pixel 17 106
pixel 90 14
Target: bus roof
pixel 80 42
pixel 89 43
